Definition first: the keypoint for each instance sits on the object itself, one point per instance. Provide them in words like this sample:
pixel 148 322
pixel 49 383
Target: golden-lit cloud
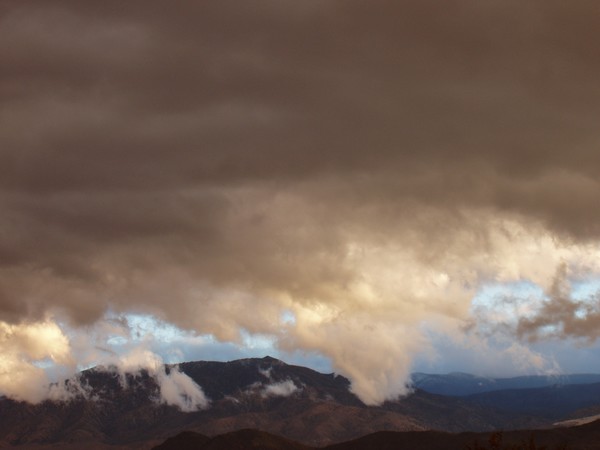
pixel 22 346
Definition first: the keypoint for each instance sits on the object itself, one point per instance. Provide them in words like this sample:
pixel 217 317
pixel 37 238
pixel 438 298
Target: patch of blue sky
pixel 587 300
pixel 116 341
pixel 144 325
pixel 587 293
pixel 507 302
pixel 257 341
pixel 175 345
pixel 44 363
pixel 586 289
pixel 288 317
pixel 489 294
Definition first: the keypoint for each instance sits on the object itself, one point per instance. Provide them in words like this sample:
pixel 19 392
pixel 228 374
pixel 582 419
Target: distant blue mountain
pixel 460 384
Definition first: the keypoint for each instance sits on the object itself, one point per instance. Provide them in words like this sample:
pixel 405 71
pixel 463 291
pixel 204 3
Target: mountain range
pixel 461 384
pixel 297 403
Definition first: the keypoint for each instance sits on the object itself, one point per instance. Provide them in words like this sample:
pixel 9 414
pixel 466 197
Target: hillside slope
pixel 294 402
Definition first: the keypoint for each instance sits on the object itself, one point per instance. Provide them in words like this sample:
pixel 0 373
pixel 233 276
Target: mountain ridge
pixel 462 384
pixel 294 402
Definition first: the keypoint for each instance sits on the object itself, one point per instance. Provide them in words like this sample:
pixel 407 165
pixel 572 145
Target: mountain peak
pixel 258 361
pixel 271 359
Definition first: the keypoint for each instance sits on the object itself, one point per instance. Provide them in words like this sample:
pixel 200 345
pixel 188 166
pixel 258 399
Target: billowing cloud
pixel 174 387
pixel 178 389
pixel 28 348
pixel 363 168
pixel 23 345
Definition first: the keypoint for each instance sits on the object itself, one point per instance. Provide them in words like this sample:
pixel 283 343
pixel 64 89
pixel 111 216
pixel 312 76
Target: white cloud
pixel 280 389
pixel 22 345
pixel 178 389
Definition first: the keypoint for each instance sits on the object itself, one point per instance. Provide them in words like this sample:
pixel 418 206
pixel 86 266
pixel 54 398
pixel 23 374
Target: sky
pixel 369 188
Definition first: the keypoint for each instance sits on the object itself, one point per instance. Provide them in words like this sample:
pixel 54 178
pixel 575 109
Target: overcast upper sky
pixel 375 183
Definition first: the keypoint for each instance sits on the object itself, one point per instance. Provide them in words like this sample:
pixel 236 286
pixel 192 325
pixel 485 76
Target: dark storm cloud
pixel 187 159
pixel 103 96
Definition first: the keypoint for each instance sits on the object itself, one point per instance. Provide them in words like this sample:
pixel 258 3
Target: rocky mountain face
pixel 267 394
pixel 297 403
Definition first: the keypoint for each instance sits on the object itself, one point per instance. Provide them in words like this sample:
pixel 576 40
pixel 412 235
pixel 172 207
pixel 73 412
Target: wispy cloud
pixel 279 389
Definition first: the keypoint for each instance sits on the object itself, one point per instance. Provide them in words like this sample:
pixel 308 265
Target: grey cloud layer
pixel 188 159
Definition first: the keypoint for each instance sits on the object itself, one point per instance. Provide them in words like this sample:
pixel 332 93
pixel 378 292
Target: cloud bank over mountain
pixel 337 175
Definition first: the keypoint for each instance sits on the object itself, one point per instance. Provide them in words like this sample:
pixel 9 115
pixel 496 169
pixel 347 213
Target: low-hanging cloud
pixel 174 387
pixel 363 167
pixel 22 379
pixel 178 389
pixel 279 389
